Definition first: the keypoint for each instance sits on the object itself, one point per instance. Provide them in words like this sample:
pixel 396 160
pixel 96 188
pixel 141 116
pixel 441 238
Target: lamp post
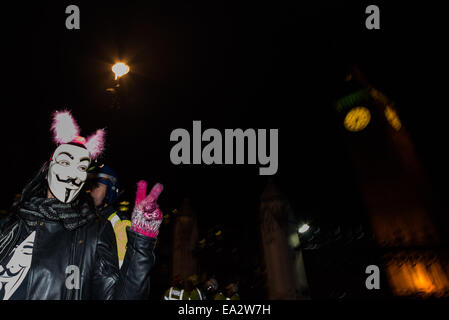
pixel 119 69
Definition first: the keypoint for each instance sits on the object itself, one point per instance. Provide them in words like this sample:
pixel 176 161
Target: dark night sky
pixel 259 65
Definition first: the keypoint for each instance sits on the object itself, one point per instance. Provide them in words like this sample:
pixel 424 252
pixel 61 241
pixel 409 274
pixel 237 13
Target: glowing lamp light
pixel 120 69
pixel 303 228
pixel 357 119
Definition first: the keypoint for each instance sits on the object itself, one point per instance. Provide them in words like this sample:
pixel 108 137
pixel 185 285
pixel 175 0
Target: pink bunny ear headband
pixel 66 130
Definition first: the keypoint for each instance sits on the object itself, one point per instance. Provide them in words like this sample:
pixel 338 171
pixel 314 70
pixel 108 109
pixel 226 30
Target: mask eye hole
pixel 64 163
pixel 82 168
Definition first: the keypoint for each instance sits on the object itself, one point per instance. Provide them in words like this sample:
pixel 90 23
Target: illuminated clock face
pixel 357 119
pixel 392 118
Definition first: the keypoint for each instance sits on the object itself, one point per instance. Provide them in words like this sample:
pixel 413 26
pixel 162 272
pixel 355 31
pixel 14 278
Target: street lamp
pixel 120 69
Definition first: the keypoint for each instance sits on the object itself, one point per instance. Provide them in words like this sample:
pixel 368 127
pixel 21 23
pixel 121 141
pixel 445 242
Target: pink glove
pixel 146 217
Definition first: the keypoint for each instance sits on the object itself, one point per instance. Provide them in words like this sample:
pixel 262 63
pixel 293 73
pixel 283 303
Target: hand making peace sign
pixel 147 217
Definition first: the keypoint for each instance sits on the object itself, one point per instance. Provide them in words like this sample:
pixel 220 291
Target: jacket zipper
pixel 72 260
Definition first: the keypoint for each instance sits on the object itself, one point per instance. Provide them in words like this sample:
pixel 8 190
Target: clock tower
pixel 395 190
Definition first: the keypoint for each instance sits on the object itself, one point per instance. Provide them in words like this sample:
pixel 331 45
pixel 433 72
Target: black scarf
pixel 34 206
pixel 71 215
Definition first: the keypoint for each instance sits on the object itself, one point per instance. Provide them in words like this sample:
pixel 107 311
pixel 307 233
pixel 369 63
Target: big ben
pixel 396 191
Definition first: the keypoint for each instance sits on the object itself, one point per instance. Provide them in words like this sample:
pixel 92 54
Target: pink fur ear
pixel 64 127
pixel 95 143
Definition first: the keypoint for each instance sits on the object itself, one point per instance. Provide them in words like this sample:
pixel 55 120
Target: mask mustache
pixel 70 180
pixel 9 274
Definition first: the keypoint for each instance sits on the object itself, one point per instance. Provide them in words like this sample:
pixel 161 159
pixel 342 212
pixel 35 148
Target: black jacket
pixel 92 248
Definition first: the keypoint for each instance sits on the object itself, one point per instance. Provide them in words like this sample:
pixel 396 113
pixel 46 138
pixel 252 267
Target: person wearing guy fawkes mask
pixel 104 190
pixel 53 245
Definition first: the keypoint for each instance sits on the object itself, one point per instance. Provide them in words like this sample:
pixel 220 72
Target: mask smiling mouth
pixel 70 181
